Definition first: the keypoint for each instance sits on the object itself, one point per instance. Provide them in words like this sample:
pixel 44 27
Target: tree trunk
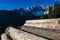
pixel 16 34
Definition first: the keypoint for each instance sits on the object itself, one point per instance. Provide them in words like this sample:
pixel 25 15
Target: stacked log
pixel 15 34
pixel 44 32
pixel 5 37
pixel 44 23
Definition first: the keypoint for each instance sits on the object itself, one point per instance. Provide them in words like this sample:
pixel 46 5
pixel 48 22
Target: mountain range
pixel 17 17
pixel 35 10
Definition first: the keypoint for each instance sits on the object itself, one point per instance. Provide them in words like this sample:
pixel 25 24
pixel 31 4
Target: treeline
pixel 54 12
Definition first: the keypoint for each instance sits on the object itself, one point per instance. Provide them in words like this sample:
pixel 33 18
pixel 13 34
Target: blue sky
pixel 13 4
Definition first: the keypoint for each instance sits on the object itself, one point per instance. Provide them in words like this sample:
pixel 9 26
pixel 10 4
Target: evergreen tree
pixel 57 10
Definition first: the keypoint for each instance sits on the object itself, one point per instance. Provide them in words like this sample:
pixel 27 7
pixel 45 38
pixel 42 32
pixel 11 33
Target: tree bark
pixel 4 37
pixel 16 34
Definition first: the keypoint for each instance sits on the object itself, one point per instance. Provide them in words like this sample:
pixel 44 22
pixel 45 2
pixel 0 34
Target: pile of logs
pixel 15 34
pixel 44 23
pixel 44 32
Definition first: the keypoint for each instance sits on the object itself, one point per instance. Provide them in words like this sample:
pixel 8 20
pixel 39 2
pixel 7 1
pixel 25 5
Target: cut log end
pixel 5 37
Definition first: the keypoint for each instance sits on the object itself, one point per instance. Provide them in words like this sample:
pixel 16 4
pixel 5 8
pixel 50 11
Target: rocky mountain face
pixel 33 12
